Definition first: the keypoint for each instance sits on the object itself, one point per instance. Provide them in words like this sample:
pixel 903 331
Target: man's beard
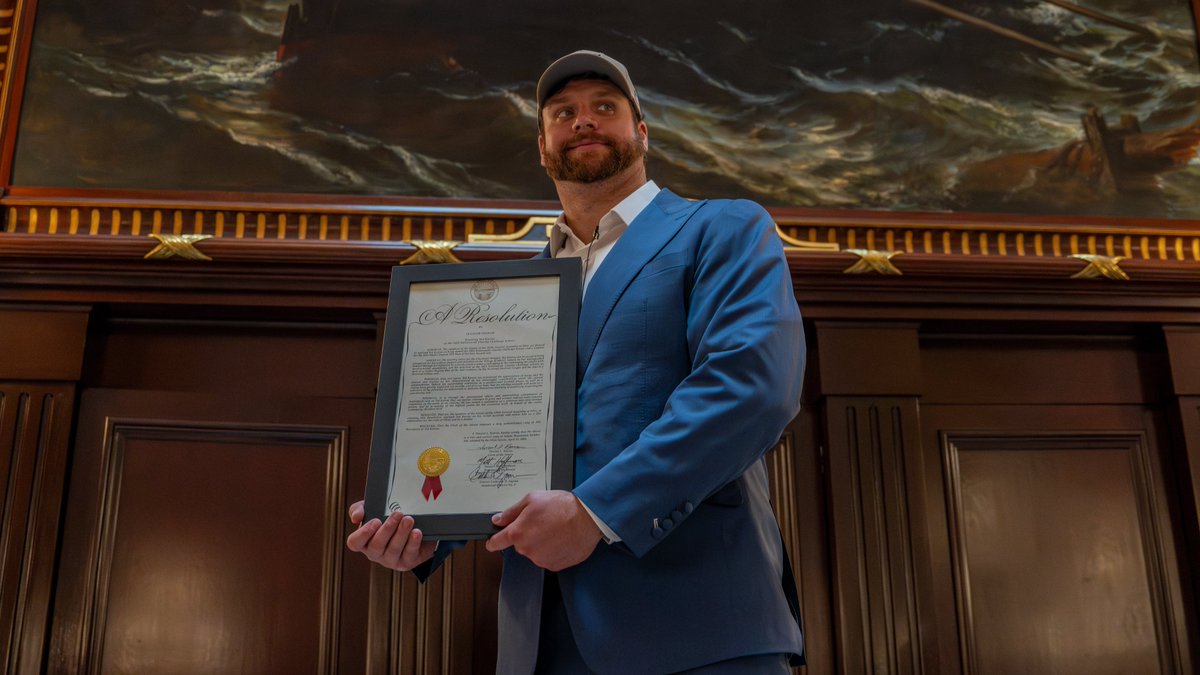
pixel 622 154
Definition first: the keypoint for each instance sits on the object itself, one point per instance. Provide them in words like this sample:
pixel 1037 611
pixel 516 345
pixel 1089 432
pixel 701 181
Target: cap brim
pixel 581 62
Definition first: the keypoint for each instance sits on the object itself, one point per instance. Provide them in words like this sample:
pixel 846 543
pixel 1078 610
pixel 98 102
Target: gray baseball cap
pixel 584 61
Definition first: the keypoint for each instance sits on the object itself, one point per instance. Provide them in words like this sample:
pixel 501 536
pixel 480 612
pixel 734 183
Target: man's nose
pixel 584 121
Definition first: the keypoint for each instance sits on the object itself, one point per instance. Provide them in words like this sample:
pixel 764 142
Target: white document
pixel 476 396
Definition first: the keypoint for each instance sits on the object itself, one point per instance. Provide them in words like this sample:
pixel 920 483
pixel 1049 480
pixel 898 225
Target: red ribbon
pixel 432 485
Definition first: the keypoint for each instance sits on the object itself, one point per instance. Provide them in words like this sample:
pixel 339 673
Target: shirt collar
pixel 633 205
pixel 622 215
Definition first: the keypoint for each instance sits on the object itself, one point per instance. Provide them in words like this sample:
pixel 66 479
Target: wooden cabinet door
pixel 204 533
pixel 1055 539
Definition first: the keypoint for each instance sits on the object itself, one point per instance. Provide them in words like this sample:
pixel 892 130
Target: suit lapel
pixel 647 235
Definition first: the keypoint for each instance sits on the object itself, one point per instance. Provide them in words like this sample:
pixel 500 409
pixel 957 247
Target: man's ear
pixel 645 133
pixel 542 148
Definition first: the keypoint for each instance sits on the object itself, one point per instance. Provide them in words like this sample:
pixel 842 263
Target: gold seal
pixel 434 462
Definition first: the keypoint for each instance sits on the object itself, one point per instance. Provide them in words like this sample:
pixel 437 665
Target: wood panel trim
pixel 876 603
pixel 431 627
pixel 781 469
pixel 71 212
pixel 806 532
pixel 1155 259
pixel 1187 462
pixel 1135 444
pixel 34 428
pixel 418 621
pixel 117 431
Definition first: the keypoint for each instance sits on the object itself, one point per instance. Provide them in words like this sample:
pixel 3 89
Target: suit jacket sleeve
pixel 746 345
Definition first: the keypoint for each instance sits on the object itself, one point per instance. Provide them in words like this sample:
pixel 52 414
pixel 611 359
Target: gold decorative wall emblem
pixel 429 252
pixel 1101 266
pixel 182 245
pixel 869 261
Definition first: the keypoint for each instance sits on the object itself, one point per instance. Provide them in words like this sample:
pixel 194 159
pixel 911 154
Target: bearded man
pixel 665 557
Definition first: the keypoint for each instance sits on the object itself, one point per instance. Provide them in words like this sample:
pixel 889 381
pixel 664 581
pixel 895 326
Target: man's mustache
pixel 580 139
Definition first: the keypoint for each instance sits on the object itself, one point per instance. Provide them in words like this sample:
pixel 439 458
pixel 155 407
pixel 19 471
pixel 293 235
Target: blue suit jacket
pixel 691 356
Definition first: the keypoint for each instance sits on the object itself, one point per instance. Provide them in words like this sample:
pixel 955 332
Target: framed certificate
pixel 476 399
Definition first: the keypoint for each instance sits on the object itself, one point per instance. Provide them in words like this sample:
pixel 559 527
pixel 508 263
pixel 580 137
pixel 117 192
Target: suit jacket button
pixel 687 507
pixel 677 516
pixel 657 532
pixel 667 523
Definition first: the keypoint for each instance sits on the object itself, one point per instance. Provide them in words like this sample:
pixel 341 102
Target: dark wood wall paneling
pixel 213 462
pixel 41 350
pixel 1002 497
pixel 1056 547
pixel 200 565
pixel 869 380
pixel 217 449
pixel 213 466
pixel 1183 346
pixel 215 459
pixel 1049 458
pixel 797 468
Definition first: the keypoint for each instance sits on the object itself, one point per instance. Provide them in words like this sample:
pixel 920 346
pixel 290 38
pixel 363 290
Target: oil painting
pixel 994 107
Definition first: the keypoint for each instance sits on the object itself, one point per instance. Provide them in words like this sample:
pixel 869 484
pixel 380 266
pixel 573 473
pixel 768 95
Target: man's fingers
pixel 499 541
pixel 383 537
pixel 356 512
pixel 394 542
pixel 550 528
pixel 413 553
pixel 397 543
pixel 358 539
pixel 503 539
pixel 510 514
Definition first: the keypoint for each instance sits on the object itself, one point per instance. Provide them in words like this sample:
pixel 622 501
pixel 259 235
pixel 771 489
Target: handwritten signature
pixel 495 447
pixel 498 464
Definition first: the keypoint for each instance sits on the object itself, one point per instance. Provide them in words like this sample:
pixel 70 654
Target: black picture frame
pixel 566 273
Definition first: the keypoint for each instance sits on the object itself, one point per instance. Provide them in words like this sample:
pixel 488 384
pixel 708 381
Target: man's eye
pixel 563 113
pixel 607 107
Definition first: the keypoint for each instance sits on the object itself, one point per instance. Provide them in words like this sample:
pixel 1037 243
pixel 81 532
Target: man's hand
pixel 394 543
pixel 551 528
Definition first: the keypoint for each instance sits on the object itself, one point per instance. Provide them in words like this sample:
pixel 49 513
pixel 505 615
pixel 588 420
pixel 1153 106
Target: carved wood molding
pixel 781 471
pixel 76 225
pixel 876 604
pixel 297 221
pixel 41 268
pixel 298 227
pixel 445 625
pixel 34 430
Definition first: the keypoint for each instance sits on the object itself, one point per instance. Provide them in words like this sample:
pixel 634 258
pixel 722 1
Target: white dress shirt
pixel 564 244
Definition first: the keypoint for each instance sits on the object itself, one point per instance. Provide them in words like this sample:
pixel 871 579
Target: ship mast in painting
pixel 1034 42
pixel 305 21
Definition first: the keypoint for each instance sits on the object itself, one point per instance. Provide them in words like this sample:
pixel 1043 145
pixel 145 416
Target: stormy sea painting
pixel 987 106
